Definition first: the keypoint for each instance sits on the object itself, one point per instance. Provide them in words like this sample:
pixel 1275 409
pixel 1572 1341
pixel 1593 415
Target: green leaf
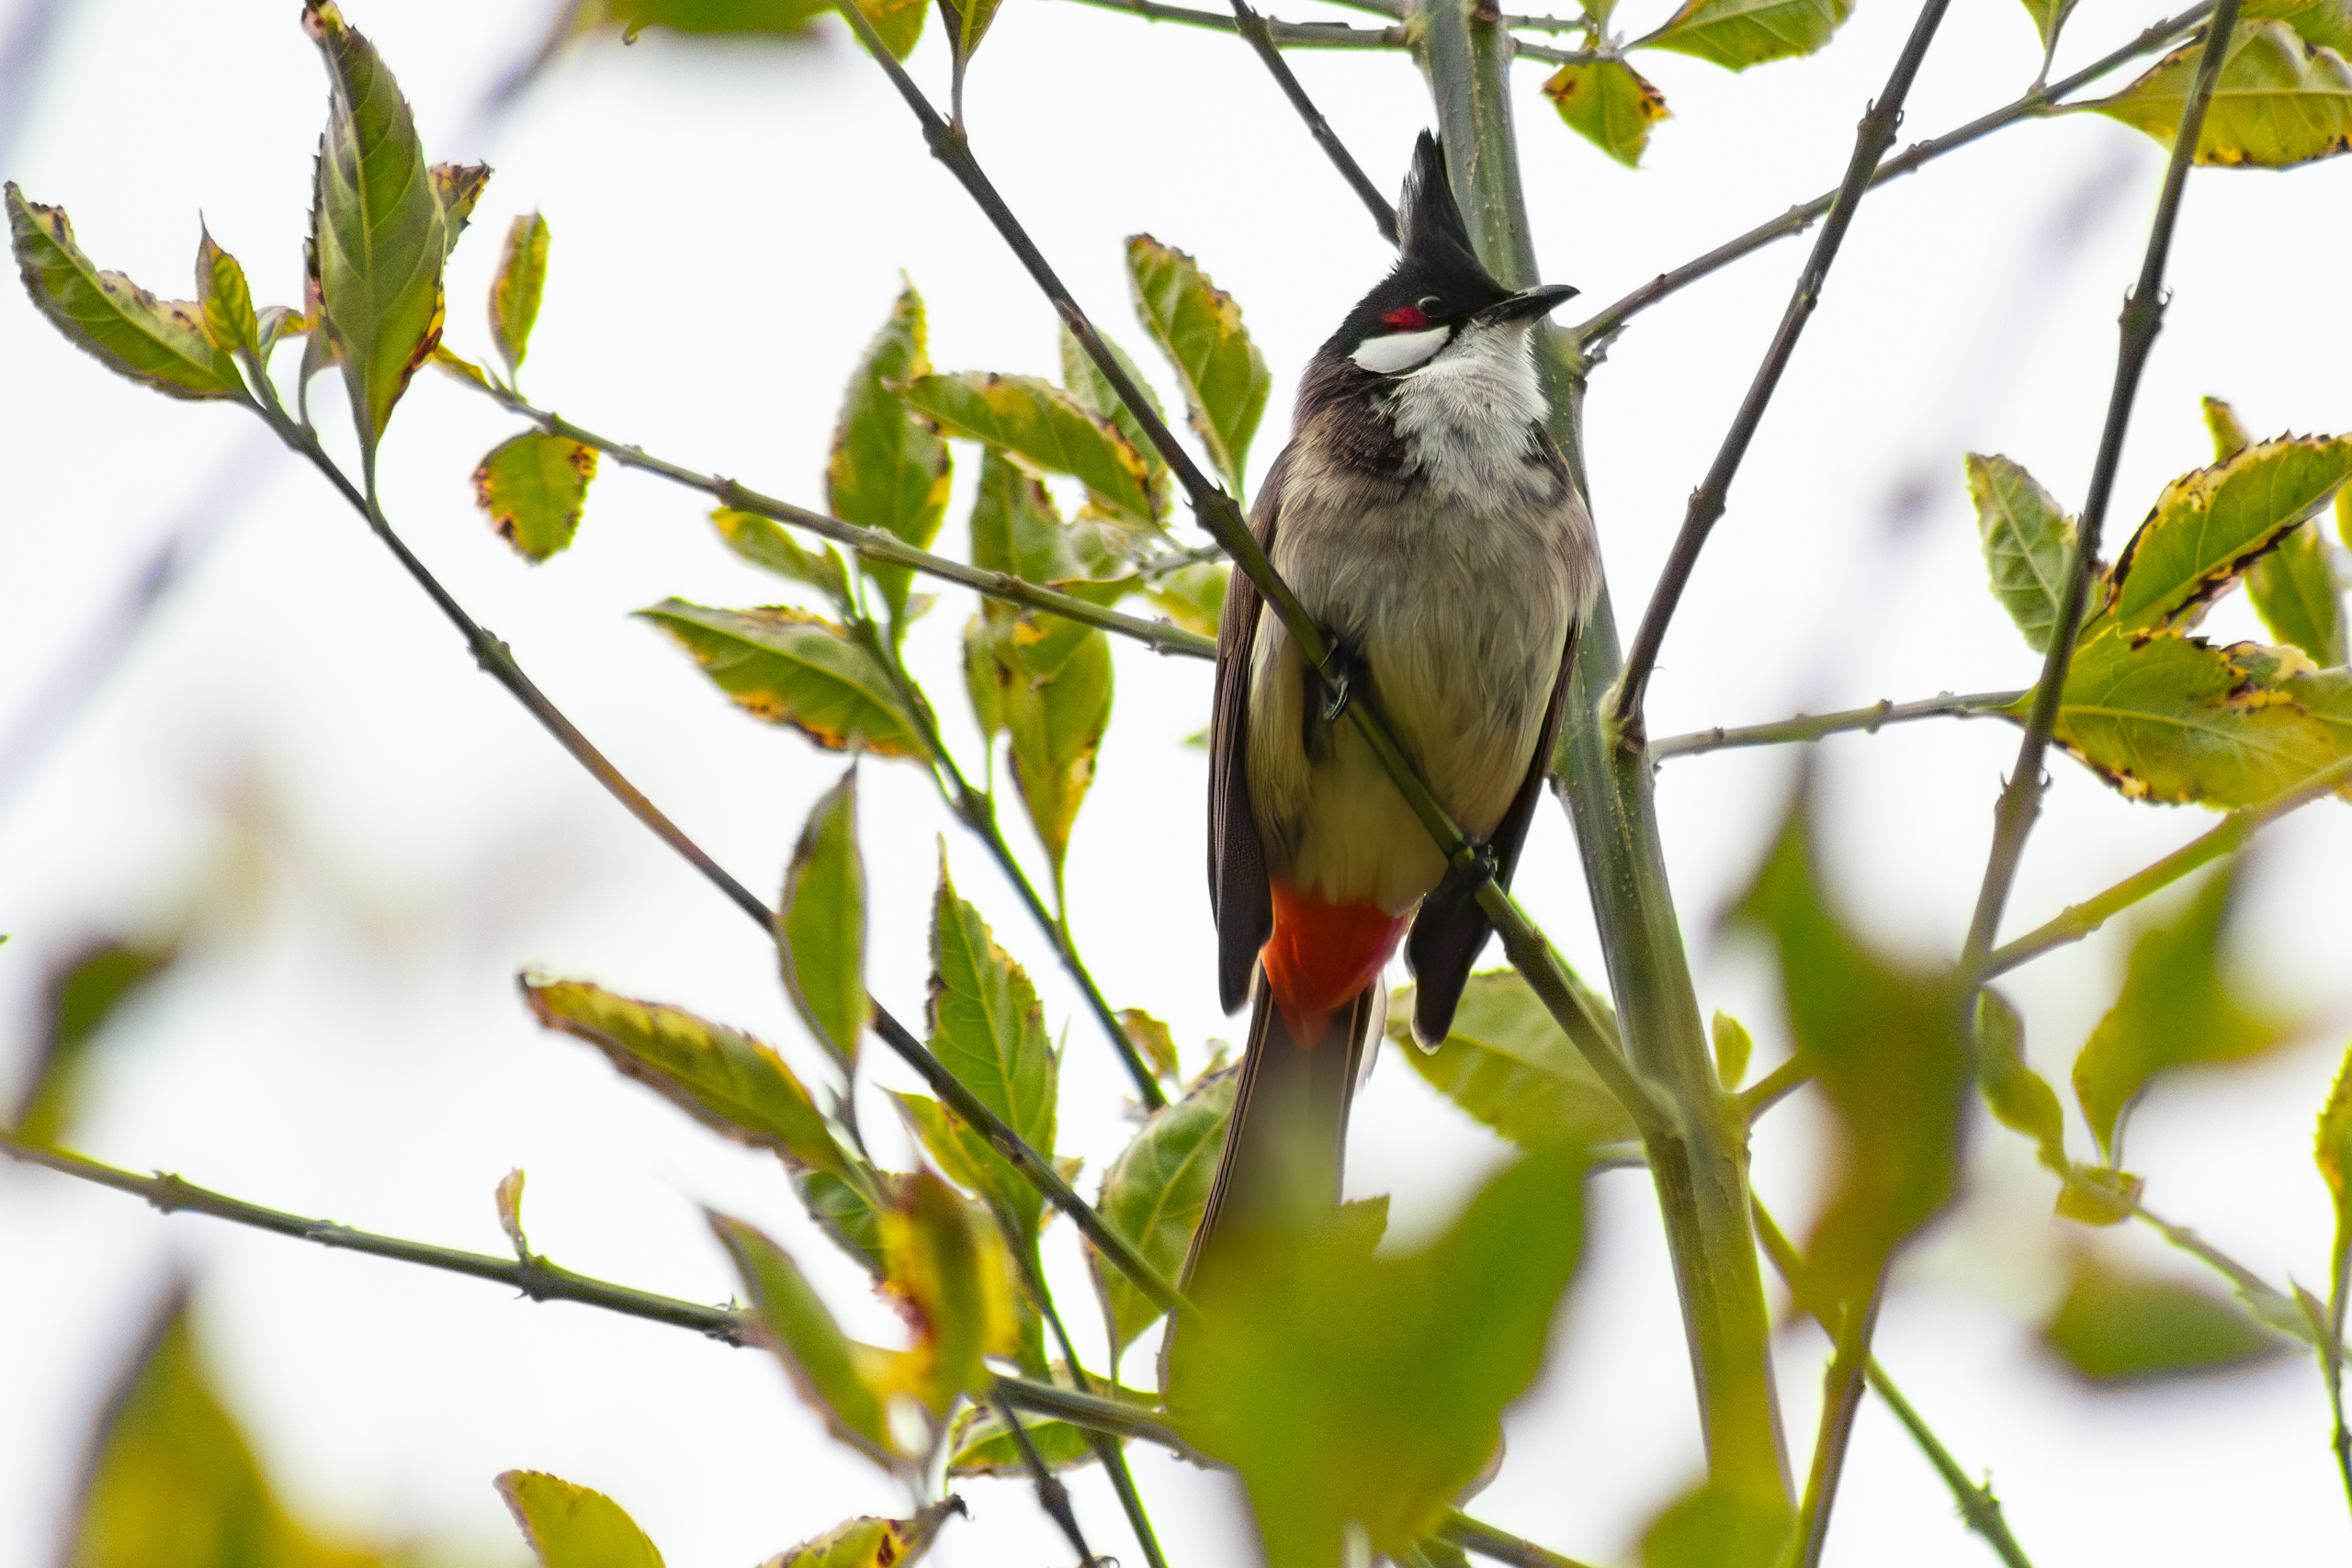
pixel 1609 103
pixel 968 1159
pixel 2332 1151
pixel 1043 426
pixel 985 678
pixel 2049 17
pixel 571 1527
pixel 2028 540
pixel 1152 1040
pixel 986 1023
pixel 224 299
pixel 2280 100
pixel 1015 529
pixel 459 188
pixel 1056 725
pixel 709 18
pixel 1509 1064
pixel 1193 596
pixel 1736 34
pixel 968 21
pixel 1733 1050
pixel 2019 1097
pixel 1086 382
pixel 869 1542
pixel 2327 23
pixel 845 1212
pixel 1153 1196
pixel 533 487
pixel 823 926
pixel 159 342
pixel 844 1380
pixel 889 470
pixel 2117 1327
pixel 2207 526
pixel 2294 590
pixel 1198 326
pixel 1366 1401
pixel 981 1444
pixel 515 290
pixel 377 233
pixel 1886 1045
pixel 2229 435
pixel 899 23
pixel 768 545
pixel 1718 1524
pixel 797 670
pixel 79 999
pixel 728 1081
pixel 2177 1007
pixel 947 1268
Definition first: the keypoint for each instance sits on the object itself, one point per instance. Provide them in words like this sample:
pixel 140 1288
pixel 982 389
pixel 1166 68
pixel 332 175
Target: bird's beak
pixel 1537 301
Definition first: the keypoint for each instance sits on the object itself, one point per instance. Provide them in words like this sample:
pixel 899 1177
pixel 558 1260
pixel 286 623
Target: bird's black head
pixel 1438 285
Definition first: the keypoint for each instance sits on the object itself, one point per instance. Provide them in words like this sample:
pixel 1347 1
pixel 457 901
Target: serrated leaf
pixel 768 545
pixel 1609 103
pixel 727 1080
pixel 534 488
pixel 980 1444
pixel 842 1380
pixel 823 926
pixel 1086 382
pixel 1056 725
pixel 1153 1041
pixel 515 288
pixel 889 470
pixel 947 1267
pixel 1043 426
pixel 2177 1007
pixel 2294 590
pixel 79 997
pixel 225 299
pixel 572 1526
pixel 2280 100
pixel 2028 539
pixel 1198 326
pixel 1509 1064
pixel 986 1023
pixel 1153 1196
pixel 797 670
pixel 377 233
pixel 159 341
pixel 1733 1050
pixel 459 188
pixel 1366 1401
pixel 2327 23
pixel 2019 1097
pixel 2207 526
pixel 869 1542
pixel 1736 34
pixel 2118 1327
pixel 968 1159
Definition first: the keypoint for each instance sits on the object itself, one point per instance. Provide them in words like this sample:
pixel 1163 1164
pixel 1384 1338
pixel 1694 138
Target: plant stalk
pixel 1812 727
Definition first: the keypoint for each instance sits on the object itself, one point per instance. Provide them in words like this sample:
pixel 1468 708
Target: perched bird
pixel 1428 523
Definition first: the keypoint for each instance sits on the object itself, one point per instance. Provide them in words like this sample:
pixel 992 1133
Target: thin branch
pixel 1841 1401
pixel 2227 837
pixel 868 543
pixel 1052 1495
pixel 1500 1545
pixel 1285 35
pixel 2037 104
pixel 1521 47
pixel 536 1277
pixel 1872 140
pixel 1578 24
pixel 2144 310
pixel 1808 727
pixel 1771 1089
pixel 1260 33
pixel 2272 1305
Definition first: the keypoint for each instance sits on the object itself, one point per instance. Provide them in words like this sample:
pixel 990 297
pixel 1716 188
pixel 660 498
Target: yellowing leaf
pixel 869 1542
pixel 225 299
pixel 2177 1007
pixel 2324 22
pixel 1736 34
pixel 78 998
pixel 509 1197
pixel 1198 326
pixel 794 668
pixel 844 1380
pixel 515 289
pixel 889 470
pixel 965 1157
pixel 980 1444
pixel 1609 103
pixel 899 23
pixel 2279 99
pixel 534 487
pixel 2118 1327
pixel 1507 1064
pixel 2019 1097
pixel 459 188
pixel 728 1081
pixel 823 926
pixel 986 1023
pixel 2028 539
pixel 2207 527
pixel 1085 381
pixel 768 545
pixel 1056 725
pixel 1153 1196
pixel 2294 590
pixel 571 1527
pixel 159 342
pixel 2332 1151
pixel 1151 1038
pixel 947 1265
pixel 1719 1525
pixel 1043 426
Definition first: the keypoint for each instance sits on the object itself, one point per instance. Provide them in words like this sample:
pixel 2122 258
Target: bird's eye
pixel 1428 304
pixel 1407 318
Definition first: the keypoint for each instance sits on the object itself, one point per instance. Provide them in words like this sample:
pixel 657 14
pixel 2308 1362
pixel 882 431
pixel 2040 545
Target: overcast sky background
pixel 370 840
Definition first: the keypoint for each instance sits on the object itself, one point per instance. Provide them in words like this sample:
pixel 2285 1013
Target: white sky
pixel 378 839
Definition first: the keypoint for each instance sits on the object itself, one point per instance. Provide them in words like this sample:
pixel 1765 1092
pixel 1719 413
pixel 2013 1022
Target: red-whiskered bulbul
pixel 1427 521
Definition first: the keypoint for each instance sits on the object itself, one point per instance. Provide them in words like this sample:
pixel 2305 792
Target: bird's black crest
pixel 1436 268
pixel 1428 220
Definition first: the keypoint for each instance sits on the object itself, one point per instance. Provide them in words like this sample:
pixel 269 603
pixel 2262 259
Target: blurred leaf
pixel 869 1542
pixel 1093 391
pixel 728 1081
pixel 377 233
pixel 967 1158
pixel 2027 542
pixel 2092 1196
pixel 794 668
pixel 1733 1050
pixel 1045 427
pixel 225 299
pixel 2019 1097
pixel 823 926
pixel 534 487
pixel 78 998
pixel 1057 727
pixel 2327 23
pixel 985 678
pixel 459 367
pixel 1153 1196
pixel 159 342
pixel 2177 1007
pixel 2049 17
pixel 459 188
pixel 986 1024
pixel 845 1213
pixel 1609 103
pixel 947 1266
pixel 2118 1327
pixel 705 17
pixel 2280 100
pixel 1151 1038
pixel 1374 1386
pixel 1736 34
pixel 1886 1045
pixel 2294 590
pixel 571 1527
pixel 1193 596
pixel 510 1212
pixel 2332 1150
pixel 278 323
pixel 514 292
pixel 1198 326
pixel 1509 1064
pixel 1719 1525
pixel 843 1380
pixel 897 22
pixel 768 545
pixel 889 470
pixel 2229 435
pixel 980 1444
pixel 2208 526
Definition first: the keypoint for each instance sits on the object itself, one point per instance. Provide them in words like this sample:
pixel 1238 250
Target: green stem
pixel 1771 1089
pixel 1052 1495
pixel 1106 1447
pixel 1841 1401
pixel 1810 726
pixel 1502 1546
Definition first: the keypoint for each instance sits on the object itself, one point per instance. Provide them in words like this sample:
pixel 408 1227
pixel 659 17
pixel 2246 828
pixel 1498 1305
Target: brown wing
pixel 1238 894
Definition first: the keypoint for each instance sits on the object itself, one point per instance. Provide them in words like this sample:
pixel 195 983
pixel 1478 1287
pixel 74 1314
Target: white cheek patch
pixel 1398 351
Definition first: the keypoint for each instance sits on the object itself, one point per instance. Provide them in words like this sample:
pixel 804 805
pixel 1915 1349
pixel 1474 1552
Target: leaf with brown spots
pixel 1736 34
pixel 1044 427
pixel 1609 103
pixel 514 292
pixel 2280 99
pixel 869 1542
pixel 791 668
pixel 889 470
pixel 460 186
pixel 225 299
pixel 534 487
pixel 572 1526
pixel 1198 326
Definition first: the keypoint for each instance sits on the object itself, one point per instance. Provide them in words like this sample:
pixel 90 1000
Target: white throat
pixel 1464 416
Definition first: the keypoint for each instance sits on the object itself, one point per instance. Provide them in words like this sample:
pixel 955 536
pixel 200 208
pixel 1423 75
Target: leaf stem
pixel 1771 1089
pixel 1052 1495
pixel 2144 310
pixel 1809 726
pixel 1106 1447
pixel 1255 27
pixel 1872 140
pixel 1841 1401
